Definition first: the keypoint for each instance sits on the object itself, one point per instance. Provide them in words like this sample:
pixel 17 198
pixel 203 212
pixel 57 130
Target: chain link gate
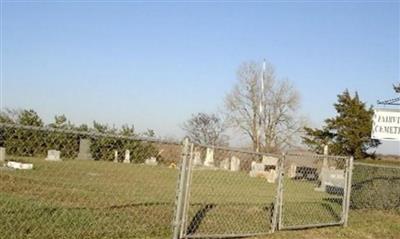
pixel 226 192
pixel 314 191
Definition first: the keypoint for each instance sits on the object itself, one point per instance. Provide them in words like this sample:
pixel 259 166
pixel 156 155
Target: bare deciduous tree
pixel 276 125
pixel 203 128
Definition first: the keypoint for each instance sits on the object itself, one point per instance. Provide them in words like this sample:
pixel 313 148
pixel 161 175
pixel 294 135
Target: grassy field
pixel 87 199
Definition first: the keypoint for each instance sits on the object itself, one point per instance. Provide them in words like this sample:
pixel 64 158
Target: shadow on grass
pixel 331 211
pixel 198 218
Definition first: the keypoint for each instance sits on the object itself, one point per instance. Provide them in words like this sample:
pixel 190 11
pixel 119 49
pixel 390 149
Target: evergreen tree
pixel 29 117
pixel 348 133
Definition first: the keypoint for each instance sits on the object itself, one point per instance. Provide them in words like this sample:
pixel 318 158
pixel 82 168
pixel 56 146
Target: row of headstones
pixel 84 154
pixel 127 158
pixel 328 176
pixel 232 164
pixel 54 155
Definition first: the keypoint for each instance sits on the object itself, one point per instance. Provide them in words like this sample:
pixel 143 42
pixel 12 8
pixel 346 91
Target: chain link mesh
pixel 231 193
pixel 375 187
pixel 314 189
pixel 96 185
pixel 85 184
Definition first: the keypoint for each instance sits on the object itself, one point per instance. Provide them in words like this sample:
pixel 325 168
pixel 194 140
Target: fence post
pixel 277 217
pixel 179 204
pixel 348 193
pixel 187 192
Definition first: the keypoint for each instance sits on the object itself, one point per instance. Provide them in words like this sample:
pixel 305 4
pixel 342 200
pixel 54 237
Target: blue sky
pixel 154 64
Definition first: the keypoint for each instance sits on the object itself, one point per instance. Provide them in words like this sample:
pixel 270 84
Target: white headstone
pixel 292 171
pixel 257 169
pixel 209 161
pixel 271 176
pixel 127 158
pixel 235 164
pixel 268 160
pixel 115 156
pixel 17 165
pixel 331 177
pixel 2 154
pixel 53 155
pixel 197 158
pixel 225 164
pixel 151 161
pixel 325 160
pixel 253 163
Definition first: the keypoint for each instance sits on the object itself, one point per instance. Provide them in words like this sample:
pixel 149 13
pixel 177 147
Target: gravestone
pixel 253 163
pixel 127 158
pixel 270 161
pixel 53 155
pixel 331 177
pixel 18 165
pixel 197 158
pixel 84 150
pixel 235 164
pixel 115 156
pixel 325 161
pixel 2 154
pixel 151 161
pixel 325 171
pixel 224 164
pixel 209 161
pixel 271 176
pixel 257 170
pixel 292 171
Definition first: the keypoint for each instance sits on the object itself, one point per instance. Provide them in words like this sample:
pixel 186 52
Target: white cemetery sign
pixel 386 124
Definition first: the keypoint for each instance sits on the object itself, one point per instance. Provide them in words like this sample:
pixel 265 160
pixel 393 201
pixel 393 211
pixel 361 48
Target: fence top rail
pixel 89 133
pixel 238 150
pixel 377 165
pixel 247 151
pixel 313 155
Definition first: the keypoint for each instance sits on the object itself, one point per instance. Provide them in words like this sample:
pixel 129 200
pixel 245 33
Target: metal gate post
pixel 277 197
pixel 277 217
pixel 179 204
pixel 348 192
pixel 187 192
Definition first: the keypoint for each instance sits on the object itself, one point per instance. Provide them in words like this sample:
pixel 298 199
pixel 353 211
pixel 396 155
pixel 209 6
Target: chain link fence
pixel 85 184
pixel 315 191
pixel 228 193
pixel 375 187
pixel 70 184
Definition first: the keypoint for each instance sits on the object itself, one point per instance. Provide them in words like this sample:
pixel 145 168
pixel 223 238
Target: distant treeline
pixel 36 141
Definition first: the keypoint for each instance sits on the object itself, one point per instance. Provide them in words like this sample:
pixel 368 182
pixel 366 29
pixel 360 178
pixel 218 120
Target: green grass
pixel 86 199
